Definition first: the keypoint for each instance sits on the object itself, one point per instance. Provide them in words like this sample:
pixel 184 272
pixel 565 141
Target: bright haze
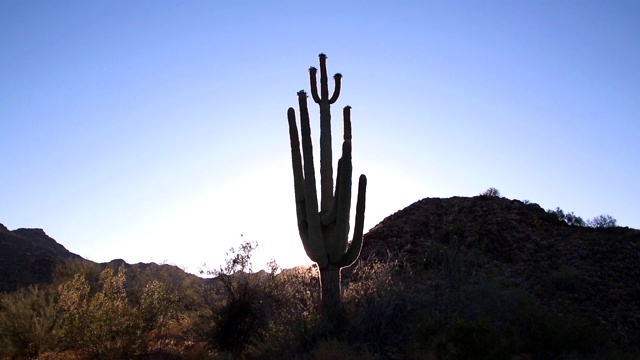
pixel 156 131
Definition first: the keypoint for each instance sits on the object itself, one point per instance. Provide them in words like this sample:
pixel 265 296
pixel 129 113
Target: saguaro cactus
pixel 325 232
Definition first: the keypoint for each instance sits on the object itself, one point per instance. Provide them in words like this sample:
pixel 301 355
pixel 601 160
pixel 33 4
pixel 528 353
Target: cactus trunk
pixel 324 225
pixel 331 306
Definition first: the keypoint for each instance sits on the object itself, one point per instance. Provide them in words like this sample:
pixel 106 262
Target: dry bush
pixel 380 304
pixel 27 320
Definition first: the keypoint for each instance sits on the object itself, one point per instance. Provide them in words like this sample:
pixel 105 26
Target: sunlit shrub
pixel 27 320
pixel 102 324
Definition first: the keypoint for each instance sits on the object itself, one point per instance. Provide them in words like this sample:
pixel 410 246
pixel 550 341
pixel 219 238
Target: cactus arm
pixel 298 178
pixel 336 89
pixel 314 84
pixel 326 159
pixel 342 204
pixel 343 192
pixel 356 244
pixel 346 116
pixel 314 246
pixel 324 80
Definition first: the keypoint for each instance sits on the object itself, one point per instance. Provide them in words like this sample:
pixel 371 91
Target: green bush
pixel 103 323
pixel 27 321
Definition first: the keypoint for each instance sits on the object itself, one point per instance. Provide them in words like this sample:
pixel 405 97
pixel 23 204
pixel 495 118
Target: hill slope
pixel 479 256
pixel 28 256
pixel 458 244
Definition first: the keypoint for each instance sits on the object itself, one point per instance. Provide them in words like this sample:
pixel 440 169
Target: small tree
pixel 602 221
pixel 491 192
pixel 570 218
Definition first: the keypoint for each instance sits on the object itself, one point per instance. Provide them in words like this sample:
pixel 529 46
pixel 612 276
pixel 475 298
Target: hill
pixel 28 256
pixel 460 278
pixel 481 251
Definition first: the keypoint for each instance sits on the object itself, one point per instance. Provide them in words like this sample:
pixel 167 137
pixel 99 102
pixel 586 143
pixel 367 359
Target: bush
pixel 27 320
pixel 570 218
pixel 602 221
pixel 106 322
pixel 102 324
pixel 491 192
pixel 261 315
pixel 545 335
pixel 459 339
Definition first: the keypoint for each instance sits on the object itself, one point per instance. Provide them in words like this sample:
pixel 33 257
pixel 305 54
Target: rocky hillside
pixel 28 256
pixel 451 243
pixel 443 277
pixel 458 243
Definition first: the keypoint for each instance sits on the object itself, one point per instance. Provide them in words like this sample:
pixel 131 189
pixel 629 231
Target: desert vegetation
pixel 443 308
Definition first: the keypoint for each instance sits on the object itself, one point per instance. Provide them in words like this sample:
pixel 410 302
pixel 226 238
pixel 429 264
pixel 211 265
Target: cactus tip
pixel 302 92
pixel 322 55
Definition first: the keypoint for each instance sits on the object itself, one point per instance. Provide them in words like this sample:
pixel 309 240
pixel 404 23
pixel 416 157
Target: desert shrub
pixel 570 218
pixel 491 192
pixel 258 314
pixel 73 302
pixel 294 325
pixel 239 320
pixel 105 322
pixel 451 259
pixel 27 320
pixel 340 350
pixel 535 335
pixel 235 313
pixel 602 221
pixel 69 268
pixel 566 280
pixel 493 297
pixel 379 306
pixel 544 335
pixel 461 339
pixel 159 305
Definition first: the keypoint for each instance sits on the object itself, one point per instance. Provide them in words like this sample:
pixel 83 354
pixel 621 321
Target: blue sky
pixel 156 130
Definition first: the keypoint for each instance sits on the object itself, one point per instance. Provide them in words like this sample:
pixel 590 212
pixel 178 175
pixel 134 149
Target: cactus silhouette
pixel 324 232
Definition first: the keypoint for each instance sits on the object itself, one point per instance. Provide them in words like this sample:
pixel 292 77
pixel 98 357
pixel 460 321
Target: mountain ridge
pixel 452 244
